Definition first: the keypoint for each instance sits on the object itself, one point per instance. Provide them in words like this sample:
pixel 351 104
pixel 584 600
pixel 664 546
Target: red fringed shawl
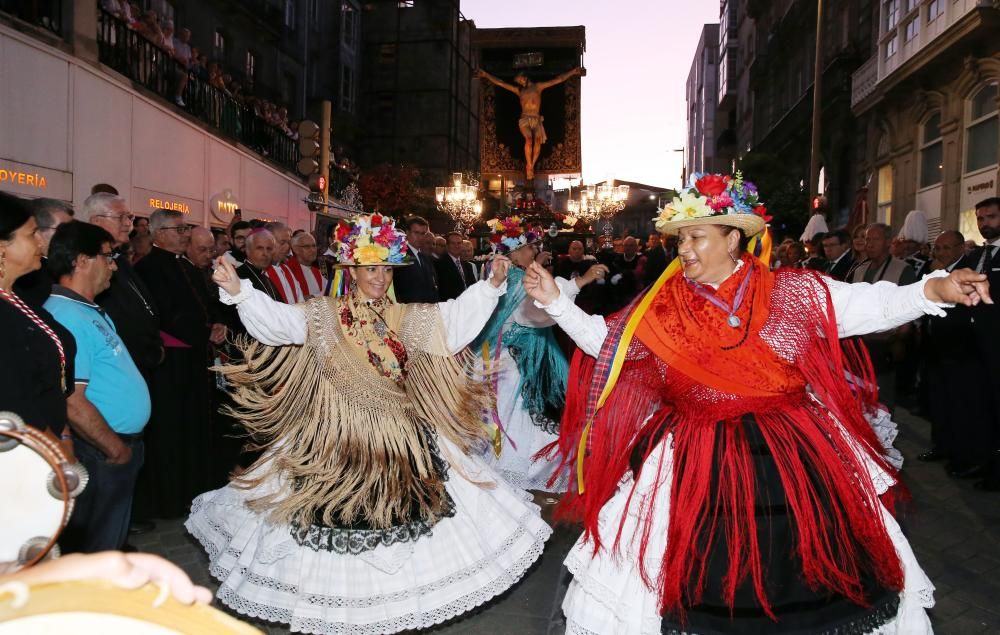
pixel 686 371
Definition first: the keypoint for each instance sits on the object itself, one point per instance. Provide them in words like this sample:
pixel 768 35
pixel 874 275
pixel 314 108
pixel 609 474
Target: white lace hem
pixel 607 594
pixel 493 539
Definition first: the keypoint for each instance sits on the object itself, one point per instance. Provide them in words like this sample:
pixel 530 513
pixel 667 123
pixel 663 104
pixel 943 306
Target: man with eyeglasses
pixel 35 287
pixel 110 407
pixel 129 303
pixel 178 459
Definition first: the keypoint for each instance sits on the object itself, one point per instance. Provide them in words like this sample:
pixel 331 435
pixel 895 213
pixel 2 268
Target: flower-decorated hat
pixel 371 239
pixel 510 234
pixel 715 199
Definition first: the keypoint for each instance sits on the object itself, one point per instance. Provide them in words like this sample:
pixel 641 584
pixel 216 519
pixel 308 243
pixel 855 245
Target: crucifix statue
pixel 530 123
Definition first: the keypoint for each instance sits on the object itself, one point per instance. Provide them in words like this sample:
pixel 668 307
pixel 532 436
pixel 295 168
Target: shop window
pixel 982 132
pixel 931 152
pixel 885 194
pixel 290 14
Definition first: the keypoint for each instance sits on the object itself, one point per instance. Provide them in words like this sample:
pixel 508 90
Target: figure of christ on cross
pixel 530 123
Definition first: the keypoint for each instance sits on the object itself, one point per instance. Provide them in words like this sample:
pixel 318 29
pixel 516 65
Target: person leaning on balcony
pixel 183 55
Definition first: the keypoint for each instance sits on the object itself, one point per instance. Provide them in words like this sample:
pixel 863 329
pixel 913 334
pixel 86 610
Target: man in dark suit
pixel 953 379
pixel 986 326
pixel 658 257
pixel 418 282
pixel 837 249
pixel 454 276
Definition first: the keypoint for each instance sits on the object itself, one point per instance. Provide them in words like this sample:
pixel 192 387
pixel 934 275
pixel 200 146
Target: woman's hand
pixel 540 285
pixel 543 258
pixel 961 286
pixel 126 570
pixel 596 272
pixel 499 266
pixel 225 276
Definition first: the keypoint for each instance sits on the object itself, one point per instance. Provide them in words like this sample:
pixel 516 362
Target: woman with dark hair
pixel 37 352
pixel 727 477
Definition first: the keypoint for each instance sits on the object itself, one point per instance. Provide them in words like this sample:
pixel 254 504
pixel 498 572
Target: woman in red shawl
pixel 726 476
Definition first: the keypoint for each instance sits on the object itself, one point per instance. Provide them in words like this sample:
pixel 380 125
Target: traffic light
pixel 310 147
pixel 317 189
pixel 819 204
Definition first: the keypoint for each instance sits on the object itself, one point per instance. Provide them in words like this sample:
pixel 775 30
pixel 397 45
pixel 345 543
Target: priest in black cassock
pixel 224 436
pixel 178 452
pixel 260 251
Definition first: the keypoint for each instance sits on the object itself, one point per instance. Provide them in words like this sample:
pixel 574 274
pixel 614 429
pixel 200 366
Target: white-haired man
pixel 280 275
pixel 302 265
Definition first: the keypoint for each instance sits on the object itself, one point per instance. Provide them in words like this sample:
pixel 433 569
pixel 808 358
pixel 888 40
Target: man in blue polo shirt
pixel 110 406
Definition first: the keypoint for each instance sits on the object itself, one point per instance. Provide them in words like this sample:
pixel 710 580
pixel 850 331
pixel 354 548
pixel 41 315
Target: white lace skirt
pixel 607 595
pixel 469 558
pixel 522 437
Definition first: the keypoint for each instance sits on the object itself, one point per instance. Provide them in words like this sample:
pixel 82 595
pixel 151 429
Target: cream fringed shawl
pixel 343 440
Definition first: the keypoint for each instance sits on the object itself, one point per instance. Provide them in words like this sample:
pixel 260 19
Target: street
pixel 952 527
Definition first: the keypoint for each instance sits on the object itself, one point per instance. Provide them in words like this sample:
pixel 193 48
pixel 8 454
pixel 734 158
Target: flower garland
pixel 713 195
pixel 371 240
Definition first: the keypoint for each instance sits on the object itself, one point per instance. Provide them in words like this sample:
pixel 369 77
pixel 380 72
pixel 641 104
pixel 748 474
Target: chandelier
pixel 599 201
pixel 460 201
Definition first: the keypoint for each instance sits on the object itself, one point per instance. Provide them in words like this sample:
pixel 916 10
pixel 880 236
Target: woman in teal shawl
pixel 528 371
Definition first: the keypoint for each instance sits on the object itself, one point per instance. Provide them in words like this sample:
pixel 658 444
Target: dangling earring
pixel 3 265
pixel 733 258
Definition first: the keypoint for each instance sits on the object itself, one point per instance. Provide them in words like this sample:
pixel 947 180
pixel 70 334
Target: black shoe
pixel 930 455
pixel 141 527
pixel 967 473
pixel 986 486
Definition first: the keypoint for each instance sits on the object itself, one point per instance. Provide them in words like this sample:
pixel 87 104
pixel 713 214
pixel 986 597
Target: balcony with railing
pixel 863 81
pixel 129 53
pixel 913 33
pixel 44 14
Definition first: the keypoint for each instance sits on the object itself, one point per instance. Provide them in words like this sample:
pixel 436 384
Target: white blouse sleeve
pixel 863 308
pixel 269 322
pixel 465 316
pixel 588 331
pixel 527 314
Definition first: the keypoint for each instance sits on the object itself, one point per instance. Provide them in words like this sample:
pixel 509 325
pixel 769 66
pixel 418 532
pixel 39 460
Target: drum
pixel 97 606
pixel 39 486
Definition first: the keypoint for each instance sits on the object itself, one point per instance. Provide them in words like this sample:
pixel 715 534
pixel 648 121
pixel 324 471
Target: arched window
pixel 982 132
pixel 931 151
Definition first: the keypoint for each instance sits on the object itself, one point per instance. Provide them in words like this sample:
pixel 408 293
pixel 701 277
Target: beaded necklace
pixel 10 297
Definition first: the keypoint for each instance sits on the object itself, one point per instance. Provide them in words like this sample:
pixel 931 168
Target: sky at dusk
pixel 638 56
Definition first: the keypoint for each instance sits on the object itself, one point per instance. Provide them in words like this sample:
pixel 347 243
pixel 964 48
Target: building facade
pixel 928 101
pixel 94 102
pixel 702 105
pixel 420 98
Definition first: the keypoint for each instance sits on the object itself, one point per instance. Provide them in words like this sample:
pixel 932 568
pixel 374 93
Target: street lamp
pixel 460 201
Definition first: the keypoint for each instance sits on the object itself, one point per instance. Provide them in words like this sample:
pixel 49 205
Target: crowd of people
pixel 193 63
pixel 351 435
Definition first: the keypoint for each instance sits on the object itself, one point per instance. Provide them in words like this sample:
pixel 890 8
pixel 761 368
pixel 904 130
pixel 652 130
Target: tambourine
pixel 39 485
pixel 97 606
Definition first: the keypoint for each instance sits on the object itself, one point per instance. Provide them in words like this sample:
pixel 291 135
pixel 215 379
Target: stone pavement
pixel 954 531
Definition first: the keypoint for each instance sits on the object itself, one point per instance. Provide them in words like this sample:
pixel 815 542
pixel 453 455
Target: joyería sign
pixel 33 181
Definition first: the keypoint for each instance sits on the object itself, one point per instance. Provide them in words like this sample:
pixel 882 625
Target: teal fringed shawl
pixel 543 367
